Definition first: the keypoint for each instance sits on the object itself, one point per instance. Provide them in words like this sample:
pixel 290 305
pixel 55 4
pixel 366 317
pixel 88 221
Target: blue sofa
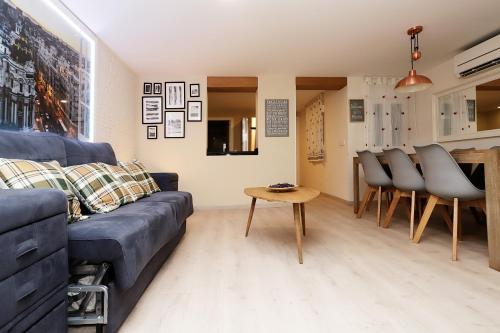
pixel 135 239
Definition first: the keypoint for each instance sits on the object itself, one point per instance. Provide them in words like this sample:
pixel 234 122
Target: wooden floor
pixel 355 277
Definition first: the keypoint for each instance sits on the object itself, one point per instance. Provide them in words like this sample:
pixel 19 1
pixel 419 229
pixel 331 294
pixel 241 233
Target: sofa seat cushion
pixel 127 237
pixel 183 202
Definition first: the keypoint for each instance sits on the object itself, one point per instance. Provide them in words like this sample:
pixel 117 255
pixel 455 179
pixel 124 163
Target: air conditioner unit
pixel 478 58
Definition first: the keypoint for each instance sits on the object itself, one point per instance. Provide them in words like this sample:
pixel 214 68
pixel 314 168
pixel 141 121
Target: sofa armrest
pixel 23 207
pixel 167 181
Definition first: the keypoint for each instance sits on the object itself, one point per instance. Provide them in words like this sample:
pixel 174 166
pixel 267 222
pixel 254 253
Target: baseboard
pixel 347 202
pixel 259 204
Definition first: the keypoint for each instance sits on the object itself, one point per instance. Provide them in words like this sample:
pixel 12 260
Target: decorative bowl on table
pixel 281 187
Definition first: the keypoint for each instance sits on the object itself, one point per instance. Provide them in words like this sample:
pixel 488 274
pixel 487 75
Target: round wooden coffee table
pixel 297 198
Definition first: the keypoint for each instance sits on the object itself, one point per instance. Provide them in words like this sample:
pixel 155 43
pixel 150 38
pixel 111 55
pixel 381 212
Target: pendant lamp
pixel 413 82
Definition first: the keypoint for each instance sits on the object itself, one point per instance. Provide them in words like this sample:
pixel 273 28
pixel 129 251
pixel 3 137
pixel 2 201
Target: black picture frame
pixel 183 117
pixel 160 100
pixel 157 88
pixel 197 91
pixel 189 118
pixel 173 100
pixel 147 88
pixel 357 110
pixel 148 133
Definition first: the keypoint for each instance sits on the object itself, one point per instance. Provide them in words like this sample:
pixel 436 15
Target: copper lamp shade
pixel 413 83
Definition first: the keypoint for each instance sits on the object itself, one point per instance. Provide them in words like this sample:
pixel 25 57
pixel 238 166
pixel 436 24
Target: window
pixel 232 117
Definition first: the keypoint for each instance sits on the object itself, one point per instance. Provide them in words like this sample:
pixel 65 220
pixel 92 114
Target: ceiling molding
pixel 320 83
pixel 232 84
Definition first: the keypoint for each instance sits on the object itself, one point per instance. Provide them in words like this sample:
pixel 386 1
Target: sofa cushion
pixel 98 190
pixel 40 147
pixel 127 237
pixel 24 174
pixel 138 171
pixel 136 190
pixel 79 152
pixel 183 202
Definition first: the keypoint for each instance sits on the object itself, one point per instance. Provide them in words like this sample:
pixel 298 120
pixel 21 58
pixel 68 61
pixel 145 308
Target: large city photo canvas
pixel 44 81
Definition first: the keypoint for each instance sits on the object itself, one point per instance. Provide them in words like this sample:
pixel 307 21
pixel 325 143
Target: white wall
pixel 117 100
pixel 328 176
pixel 220 180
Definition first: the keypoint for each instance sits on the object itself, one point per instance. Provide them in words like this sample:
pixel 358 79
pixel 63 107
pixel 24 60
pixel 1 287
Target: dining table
pixel 490 158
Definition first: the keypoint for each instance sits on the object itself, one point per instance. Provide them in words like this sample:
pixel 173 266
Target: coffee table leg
pixel 303 217
pixel 296 215
pixel 250 215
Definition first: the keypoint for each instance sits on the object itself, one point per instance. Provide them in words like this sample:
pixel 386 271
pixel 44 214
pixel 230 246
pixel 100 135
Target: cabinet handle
pixel 26 247
pixel 25 290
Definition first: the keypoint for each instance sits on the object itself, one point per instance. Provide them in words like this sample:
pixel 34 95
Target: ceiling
pixel 301 37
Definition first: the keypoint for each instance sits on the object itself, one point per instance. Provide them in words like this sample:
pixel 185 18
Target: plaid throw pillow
pixel 137 170
pixel 135 189
pixel 24 174
pixel 98 190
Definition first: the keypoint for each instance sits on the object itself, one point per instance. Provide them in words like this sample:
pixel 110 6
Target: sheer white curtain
pixel 390 117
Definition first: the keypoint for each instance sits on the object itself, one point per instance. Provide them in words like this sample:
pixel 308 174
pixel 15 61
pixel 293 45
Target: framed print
pixel 194 90
pixel 357 110
pixel 175 124
pixel 152 132
pixel 148 88
pixel 175 95
pixel 152 110
pixel 194 111
pixel 157 88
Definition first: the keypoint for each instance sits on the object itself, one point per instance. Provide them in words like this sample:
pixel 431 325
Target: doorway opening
pixel 321 103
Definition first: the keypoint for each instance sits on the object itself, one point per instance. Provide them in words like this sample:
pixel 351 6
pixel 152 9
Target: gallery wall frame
pixel 152 110
pixel 194 111
pixel 152 132
pixel 175 125
pixel 148 88
pixel 194 90
pixel 175 95
pixel 157 88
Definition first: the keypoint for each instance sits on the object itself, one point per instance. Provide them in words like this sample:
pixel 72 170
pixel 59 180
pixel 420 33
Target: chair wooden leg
pixel 370 200
pixel 412 218
pixel 379 205
pixel 459 223
pixel 392 208
pixel 368 193
pixel 455 229
pixel 425 218
pixel 443 211
pixel 407 207
pixel 387 199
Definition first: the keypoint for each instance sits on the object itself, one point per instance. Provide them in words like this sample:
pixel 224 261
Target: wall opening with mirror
pixel 488 105
pixel 469 112
pixel 232 116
